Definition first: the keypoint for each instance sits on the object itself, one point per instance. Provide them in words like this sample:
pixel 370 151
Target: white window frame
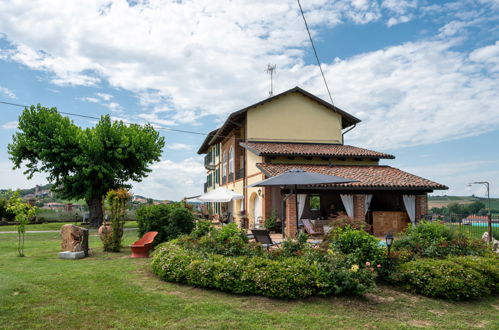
pixel 231 160
pixel 224 168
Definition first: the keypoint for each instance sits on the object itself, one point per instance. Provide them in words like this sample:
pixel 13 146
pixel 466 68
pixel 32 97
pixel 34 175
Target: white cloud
pixel 7 92
pixel 15 179
pixel 104 96
pixel 154 119
pixel 10 125
pixel 114 106
pixel 208 58
pixel 488 55
pixel 90 99
pixel 179 146
pixel 185 59
pixel 412 94
pixel 173 180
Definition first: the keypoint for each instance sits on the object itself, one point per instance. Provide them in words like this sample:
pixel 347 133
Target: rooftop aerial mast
pixel 270 70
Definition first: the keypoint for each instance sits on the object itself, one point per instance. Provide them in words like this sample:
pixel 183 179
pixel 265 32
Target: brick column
pixel 267 202
pixel 421 206
pixel 291 229
pixel 358 207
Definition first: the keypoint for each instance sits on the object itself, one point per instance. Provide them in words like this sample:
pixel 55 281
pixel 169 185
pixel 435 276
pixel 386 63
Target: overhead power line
pixel 315 51
pixel 97 118
pixel 171 129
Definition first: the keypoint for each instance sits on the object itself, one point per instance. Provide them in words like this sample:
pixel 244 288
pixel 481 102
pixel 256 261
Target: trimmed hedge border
pixel 455 278
pixel 285 278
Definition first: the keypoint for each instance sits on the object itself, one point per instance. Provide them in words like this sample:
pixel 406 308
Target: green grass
pixel 55 226
pixel 474 231
pixel 110 290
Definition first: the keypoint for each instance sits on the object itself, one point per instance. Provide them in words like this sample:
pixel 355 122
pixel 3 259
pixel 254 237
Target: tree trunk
pixel 96 212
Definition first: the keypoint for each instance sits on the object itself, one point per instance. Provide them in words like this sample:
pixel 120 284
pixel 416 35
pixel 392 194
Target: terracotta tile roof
pixel 367 176
pixel 309 149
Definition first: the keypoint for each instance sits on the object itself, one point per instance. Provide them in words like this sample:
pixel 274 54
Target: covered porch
pixel 383 210
pixel 385 198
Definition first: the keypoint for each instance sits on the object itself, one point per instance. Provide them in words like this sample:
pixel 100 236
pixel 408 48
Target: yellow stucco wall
pixel 293 118
pixel 251 161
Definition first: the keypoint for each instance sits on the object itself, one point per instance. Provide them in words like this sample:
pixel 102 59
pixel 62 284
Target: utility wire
pixel 167 128
pixel 97 118
pixel 173 129
pixel 315 51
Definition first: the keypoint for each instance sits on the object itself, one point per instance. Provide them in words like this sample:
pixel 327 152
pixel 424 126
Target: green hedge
pixel 456 278
pixel 286 278
pixel 170 221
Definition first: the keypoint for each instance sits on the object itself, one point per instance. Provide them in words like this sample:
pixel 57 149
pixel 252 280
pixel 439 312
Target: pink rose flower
pixel 368 263
pixel 379 266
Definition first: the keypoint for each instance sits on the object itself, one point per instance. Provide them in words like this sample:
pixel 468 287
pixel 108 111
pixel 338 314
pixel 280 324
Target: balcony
pixel 231 177
pixel 240 173
pixel 209 162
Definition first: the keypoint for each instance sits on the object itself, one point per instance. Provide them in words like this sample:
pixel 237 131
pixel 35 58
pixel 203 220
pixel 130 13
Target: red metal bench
pixel 140 249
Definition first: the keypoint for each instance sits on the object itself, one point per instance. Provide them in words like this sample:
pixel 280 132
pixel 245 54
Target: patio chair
pixel 140 249
pixel 309 228
pixel 262 236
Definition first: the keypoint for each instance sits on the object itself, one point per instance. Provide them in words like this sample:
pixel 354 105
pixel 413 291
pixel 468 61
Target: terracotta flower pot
pixel 105 231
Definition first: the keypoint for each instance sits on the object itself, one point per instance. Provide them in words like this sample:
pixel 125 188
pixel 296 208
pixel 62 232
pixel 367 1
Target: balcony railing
pixel 231 177
pixel 224 180
pixel 209 162
pixel 240 173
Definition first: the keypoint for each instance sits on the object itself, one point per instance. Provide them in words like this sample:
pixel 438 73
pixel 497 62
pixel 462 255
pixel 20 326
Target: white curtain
pixel 367 203
pixel 410 207
pixel 301 204
pixel 348 203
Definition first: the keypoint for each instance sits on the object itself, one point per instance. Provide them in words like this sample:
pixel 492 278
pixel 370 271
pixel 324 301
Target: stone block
pixel 71 255
pixel 74 239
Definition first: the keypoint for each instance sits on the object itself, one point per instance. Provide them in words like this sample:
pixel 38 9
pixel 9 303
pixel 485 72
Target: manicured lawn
pixel 475 231
pixel 111 290
pixel 56 226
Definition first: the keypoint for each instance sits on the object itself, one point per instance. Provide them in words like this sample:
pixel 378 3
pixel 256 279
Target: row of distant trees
pixel 477 208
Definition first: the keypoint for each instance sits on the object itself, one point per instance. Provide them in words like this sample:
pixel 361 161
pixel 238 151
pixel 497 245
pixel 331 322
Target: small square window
pixel 315 203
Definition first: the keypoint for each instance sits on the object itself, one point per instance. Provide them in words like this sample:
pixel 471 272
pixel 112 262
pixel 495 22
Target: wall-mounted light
pixel 260 192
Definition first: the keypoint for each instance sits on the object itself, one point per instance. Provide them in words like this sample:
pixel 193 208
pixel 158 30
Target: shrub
pixel 487 267
pixel 454 278
pixel 436 240
pixel 229 241
pixel 202 228
pixel 270 222
pixel 117 200
pixel 170 221
pixel 5 213
pixel 286 278
pixel 359 245
pixel 292 247
pixel 343 221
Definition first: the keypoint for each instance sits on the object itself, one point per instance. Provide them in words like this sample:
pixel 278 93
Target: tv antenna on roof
pixel 270 70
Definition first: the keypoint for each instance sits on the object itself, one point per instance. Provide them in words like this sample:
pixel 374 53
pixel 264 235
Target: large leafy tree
pixel 84 163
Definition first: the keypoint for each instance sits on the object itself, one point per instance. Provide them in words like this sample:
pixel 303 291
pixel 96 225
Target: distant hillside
pixel 53 198
pixel 440 201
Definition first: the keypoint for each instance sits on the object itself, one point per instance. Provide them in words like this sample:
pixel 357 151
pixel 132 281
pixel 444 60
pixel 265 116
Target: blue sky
pixel 422 75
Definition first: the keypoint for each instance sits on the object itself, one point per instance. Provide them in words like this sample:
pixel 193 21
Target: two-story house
pixel 296 129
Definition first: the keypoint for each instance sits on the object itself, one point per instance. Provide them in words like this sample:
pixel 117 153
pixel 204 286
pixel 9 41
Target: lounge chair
pixel 309 228
pixel 262 236
pixel 140 249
